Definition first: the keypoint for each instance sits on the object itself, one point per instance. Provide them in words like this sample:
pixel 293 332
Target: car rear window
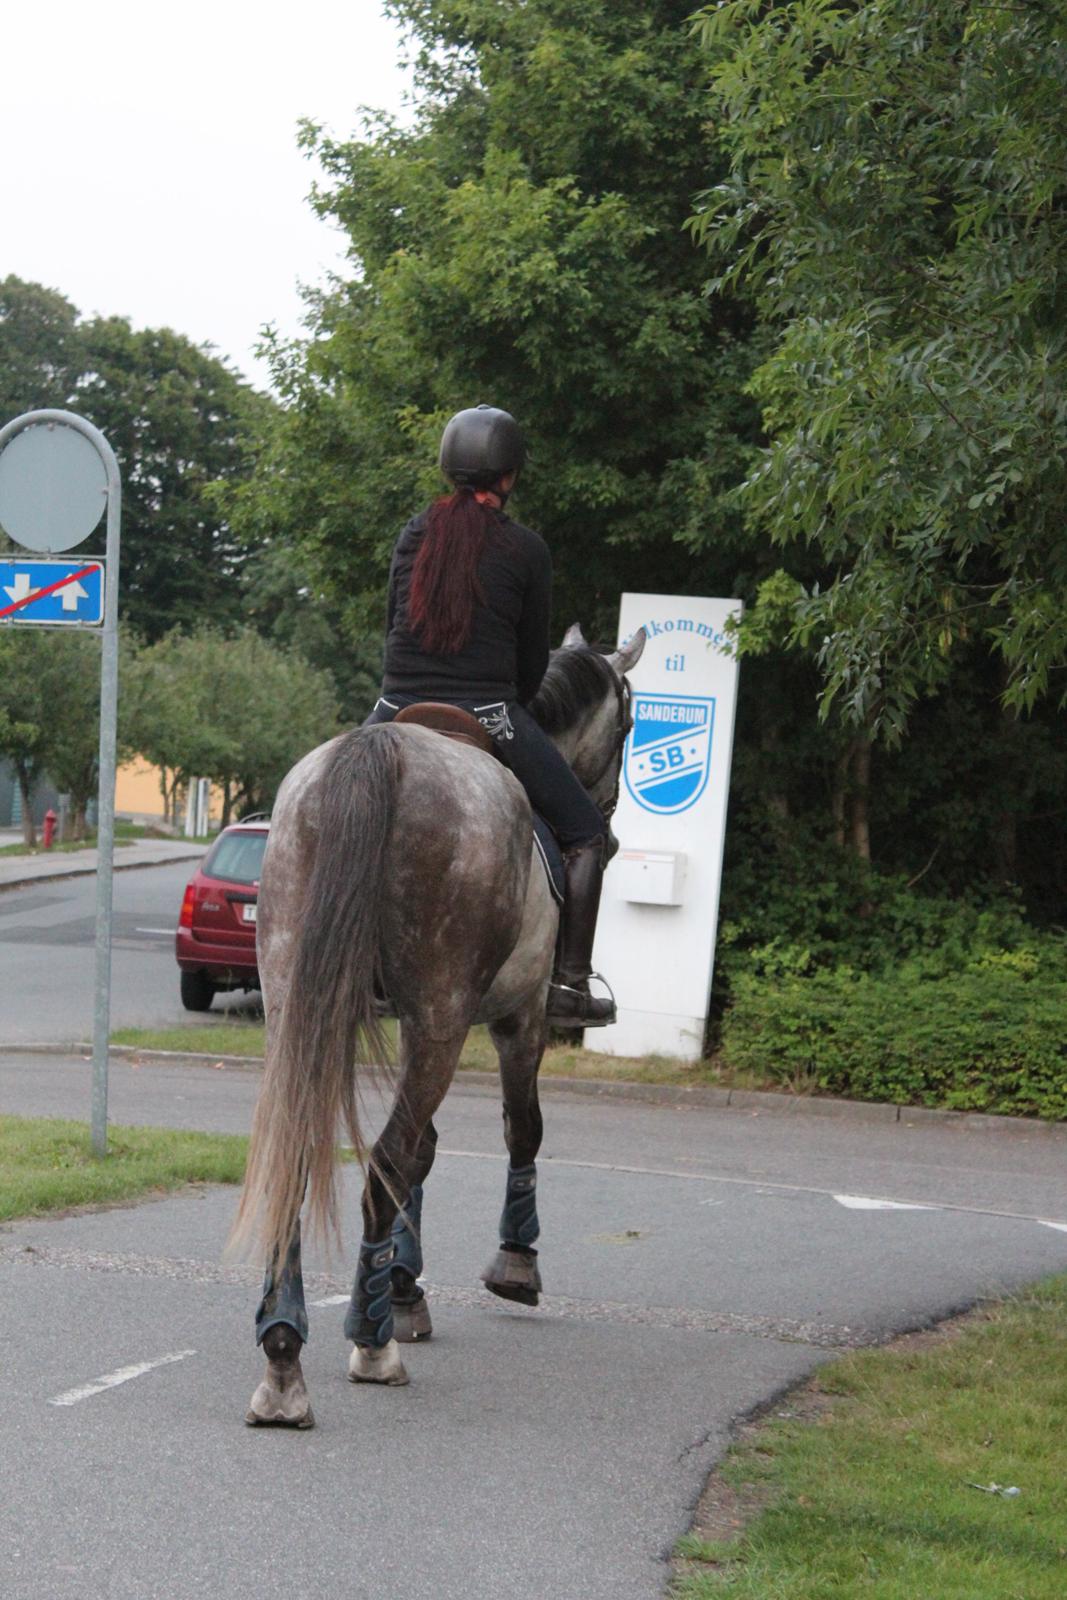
pixel 238 857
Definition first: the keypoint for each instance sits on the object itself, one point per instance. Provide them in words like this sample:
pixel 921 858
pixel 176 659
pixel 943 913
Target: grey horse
pixel 402 863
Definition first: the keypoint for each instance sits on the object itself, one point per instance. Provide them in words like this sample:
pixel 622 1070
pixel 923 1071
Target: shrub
pixel 990 1037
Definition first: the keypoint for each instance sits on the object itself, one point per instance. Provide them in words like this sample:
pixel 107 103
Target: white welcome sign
pixel 660 906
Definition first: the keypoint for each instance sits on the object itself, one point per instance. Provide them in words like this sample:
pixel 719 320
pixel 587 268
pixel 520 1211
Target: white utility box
pixel 650 877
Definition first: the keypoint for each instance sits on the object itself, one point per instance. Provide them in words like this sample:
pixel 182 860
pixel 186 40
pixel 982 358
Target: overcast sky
pixel 148 160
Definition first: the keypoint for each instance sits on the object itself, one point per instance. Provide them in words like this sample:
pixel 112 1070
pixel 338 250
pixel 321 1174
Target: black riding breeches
pixel 553 789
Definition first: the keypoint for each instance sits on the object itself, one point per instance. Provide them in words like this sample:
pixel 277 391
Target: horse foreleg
pixel 282 1330
pixel 520 1043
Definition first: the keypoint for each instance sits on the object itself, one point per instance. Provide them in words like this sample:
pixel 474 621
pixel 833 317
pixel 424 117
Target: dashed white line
pixel 861 1202
pixel 111 1380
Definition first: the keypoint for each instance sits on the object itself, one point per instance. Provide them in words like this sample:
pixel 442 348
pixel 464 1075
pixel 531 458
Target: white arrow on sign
pixel 21 590
pixel 71 593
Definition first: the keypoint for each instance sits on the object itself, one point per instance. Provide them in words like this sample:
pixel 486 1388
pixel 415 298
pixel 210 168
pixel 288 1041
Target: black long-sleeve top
pixel 507 652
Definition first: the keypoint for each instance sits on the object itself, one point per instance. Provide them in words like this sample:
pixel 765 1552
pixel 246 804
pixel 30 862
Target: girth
pixel 452 721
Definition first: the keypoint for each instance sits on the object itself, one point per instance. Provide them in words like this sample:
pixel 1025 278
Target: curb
pixel 90 872
pixel 676 1096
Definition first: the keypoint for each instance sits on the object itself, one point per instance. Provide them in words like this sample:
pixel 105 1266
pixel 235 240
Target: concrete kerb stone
pixel 753 1101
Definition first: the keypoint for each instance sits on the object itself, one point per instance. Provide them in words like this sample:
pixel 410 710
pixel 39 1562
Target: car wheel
pixel 198 991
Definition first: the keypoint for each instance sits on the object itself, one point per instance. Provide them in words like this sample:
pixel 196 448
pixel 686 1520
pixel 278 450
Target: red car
pixel 216 938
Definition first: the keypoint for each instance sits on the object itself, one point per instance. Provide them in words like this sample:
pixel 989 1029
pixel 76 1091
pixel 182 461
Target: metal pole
pixel 109 682
pixel 105 825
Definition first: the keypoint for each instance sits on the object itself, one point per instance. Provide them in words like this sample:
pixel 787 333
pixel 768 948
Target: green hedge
pixel 992 1037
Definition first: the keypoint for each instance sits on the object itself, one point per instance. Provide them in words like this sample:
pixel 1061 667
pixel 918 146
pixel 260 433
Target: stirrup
pixel 583 998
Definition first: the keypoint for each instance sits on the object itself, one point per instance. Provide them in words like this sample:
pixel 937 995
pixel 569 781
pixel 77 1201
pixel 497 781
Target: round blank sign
pixel 53 487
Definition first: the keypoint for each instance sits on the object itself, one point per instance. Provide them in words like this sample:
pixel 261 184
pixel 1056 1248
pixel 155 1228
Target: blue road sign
pixel 52 593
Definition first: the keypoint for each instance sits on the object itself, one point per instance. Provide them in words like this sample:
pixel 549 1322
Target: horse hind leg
pixel 281 1400
pixel 411 1314
pixel 400 1160
pixel 513 1273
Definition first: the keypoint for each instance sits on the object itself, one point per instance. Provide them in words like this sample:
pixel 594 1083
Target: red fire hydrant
pixel 48 832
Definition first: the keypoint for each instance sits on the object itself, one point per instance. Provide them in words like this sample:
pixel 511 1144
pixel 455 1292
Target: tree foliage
pixel 522 243
pixel 181 423
pixel 895 207
pixel 234 709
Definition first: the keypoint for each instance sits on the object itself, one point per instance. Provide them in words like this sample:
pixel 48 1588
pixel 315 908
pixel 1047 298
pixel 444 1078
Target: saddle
pixel 455 723
pixel 452 721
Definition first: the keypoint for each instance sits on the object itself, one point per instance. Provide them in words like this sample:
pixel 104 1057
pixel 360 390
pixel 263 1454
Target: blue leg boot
pixel 411 1314
pixel 513 1273
pixel 281 1400
pixel 369 1320
pixel 283 1296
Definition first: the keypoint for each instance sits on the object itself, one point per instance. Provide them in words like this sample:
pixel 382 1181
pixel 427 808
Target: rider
pixel 468 624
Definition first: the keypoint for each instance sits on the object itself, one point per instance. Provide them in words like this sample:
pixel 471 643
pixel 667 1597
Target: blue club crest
pixel 668 754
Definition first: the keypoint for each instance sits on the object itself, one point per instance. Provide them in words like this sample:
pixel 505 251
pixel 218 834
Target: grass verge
pixel 868 1476
pixel 560 1061
pixel 48 1165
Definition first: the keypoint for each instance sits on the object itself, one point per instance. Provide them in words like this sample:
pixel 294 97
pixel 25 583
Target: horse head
pixel 583 705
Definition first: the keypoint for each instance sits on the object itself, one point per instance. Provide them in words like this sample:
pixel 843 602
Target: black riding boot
pixel 570 1005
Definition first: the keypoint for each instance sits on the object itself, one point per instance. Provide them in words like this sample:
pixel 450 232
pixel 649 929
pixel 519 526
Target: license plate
pixel 248 913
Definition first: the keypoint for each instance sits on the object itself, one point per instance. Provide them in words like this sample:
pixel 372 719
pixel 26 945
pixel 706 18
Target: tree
pixel 181 423
pixel 234 709
pixel 522 243
pixel 40 353
pixel 24 705
pixel 895 206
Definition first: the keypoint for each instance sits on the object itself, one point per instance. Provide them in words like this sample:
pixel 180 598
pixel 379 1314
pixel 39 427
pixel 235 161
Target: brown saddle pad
pixel 449 720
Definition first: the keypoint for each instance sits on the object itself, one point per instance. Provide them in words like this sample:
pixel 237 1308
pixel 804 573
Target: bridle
pixel 624 707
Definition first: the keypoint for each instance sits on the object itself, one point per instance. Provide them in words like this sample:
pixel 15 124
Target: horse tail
pixel 329 1011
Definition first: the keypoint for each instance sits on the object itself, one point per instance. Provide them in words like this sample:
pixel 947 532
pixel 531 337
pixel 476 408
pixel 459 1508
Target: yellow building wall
pixel 138 794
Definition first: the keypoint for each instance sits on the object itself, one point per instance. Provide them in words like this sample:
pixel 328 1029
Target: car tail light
pixel 185 919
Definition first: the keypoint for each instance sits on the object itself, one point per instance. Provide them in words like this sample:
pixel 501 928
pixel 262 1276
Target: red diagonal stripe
pixel 39 594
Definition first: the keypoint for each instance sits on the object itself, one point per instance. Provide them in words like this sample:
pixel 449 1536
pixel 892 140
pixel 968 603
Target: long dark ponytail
pixel 444 579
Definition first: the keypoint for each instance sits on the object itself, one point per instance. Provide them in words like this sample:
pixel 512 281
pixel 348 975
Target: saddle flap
pixel 452 721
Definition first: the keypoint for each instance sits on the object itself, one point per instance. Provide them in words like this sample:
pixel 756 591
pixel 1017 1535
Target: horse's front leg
pixel 282 1330
pixel 520 1043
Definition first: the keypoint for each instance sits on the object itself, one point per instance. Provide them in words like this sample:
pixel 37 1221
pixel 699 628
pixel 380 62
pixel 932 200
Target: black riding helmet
pixel 480 445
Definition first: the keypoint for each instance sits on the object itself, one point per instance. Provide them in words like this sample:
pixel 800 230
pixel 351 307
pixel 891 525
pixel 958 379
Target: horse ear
pixel 626 657
pixel 574 639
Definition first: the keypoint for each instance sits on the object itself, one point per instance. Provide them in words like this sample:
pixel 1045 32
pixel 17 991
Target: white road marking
pixel 167 933
pixel 759 1185
pixel 333 1300
pixel 1060 1227
pixel 112 1379
pixel 860 1202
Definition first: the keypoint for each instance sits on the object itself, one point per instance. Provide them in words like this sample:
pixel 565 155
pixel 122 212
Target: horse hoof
pixel 514 1275
pixel 368 1364
pixel 411 1322
pixel 275 1406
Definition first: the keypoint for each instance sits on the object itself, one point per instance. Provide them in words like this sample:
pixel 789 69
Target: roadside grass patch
pixel 232 1038
pixel 48 1165
pixel 862 1485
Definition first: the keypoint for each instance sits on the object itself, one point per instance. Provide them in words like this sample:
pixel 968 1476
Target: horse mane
pixel 576 679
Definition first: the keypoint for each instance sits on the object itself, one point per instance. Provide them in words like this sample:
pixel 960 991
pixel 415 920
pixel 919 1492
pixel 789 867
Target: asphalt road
pixel 696 1262
pixel 47 930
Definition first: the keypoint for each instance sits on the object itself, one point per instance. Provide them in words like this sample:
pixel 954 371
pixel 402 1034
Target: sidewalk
pixel 16 870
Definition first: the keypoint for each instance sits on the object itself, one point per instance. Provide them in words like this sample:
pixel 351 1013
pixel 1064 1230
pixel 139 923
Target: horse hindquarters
pixel 456 879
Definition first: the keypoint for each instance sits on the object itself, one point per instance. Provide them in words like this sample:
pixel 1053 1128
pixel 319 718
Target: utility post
pixel 58 474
